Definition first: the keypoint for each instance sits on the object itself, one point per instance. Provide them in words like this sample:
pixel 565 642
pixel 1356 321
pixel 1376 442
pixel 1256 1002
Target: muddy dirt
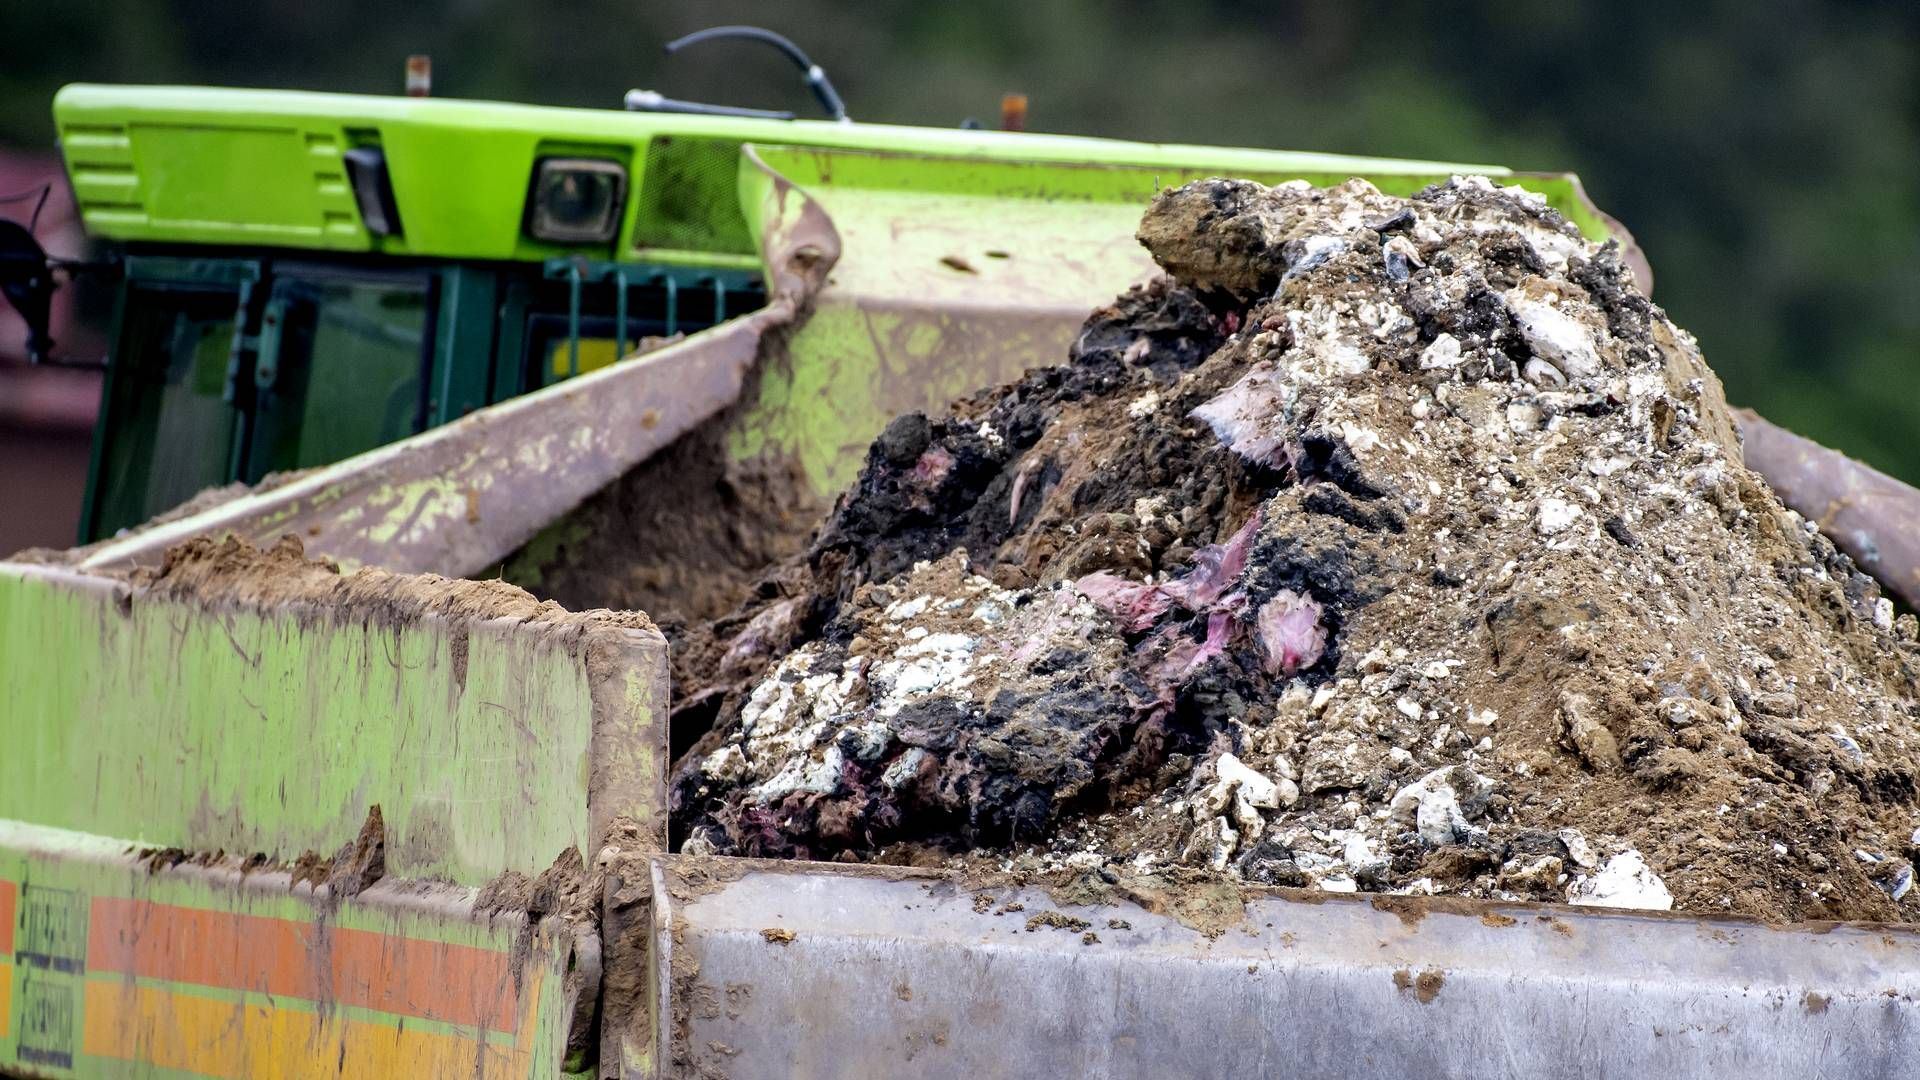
pixel 281 577
pixel 565 888
pixel 1391 545
pixel 682 537
pixel 358 864
pixel 687 536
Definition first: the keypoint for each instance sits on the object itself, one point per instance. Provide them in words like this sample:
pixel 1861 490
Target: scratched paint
pixel 272 731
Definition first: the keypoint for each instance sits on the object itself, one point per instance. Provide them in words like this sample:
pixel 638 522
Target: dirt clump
pixel 565 888
pixel 362 861
pixel 1389 545
pixel 357 866
pixel 201 501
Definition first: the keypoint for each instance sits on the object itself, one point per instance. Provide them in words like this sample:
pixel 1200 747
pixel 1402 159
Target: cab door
pixel 343 366
pixel 227 370
pixel 168 426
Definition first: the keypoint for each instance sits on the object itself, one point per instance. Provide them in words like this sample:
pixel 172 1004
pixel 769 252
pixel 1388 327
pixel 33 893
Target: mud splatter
pixel 1424 987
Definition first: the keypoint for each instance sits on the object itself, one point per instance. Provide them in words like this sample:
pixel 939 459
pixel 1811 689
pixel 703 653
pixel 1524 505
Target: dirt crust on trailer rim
pixel 1387 545
pixel 228 570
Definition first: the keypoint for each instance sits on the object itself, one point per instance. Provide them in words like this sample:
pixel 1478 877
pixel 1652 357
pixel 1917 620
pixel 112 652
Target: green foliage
pixel 1765 153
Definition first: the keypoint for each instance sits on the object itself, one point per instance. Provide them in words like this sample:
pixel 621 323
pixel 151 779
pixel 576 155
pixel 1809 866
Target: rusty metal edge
pixel 584 980
pixel 628 683
pixel 630 998
pixel 1871 516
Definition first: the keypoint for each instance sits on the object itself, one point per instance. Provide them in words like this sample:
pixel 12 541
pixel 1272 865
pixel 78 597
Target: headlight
pixel 576 200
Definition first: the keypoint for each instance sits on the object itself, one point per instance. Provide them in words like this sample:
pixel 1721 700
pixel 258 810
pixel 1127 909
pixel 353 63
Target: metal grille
pixel 689 197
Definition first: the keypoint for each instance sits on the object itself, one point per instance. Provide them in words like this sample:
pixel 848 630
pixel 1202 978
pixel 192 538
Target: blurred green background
pixel 1766 154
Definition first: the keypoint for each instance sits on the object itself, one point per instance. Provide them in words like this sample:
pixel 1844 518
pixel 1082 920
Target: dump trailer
pixel 288 791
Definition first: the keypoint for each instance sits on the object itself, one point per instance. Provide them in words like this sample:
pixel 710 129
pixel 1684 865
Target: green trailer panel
pixel 213 722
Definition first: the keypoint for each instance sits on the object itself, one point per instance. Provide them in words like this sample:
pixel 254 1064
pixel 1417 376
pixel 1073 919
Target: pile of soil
pixel 1395 545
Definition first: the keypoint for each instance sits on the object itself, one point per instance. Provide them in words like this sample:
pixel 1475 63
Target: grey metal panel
pixel 905 977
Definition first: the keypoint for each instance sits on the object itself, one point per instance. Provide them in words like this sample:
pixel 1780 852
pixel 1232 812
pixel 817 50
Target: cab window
pixel 169 432
pixel 348 373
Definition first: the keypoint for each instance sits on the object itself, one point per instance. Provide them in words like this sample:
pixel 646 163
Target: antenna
pixel 817 80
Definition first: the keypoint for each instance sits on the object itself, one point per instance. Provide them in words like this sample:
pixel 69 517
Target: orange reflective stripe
pixel 236 1039
pixel 457 984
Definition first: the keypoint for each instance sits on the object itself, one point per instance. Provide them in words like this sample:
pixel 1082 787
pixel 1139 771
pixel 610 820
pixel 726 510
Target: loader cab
pixel 299 278
pixel 230 367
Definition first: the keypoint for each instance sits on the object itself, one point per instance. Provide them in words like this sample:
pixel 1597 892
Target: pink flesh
pixel 932 467
pixel 1134 605
pixel 1246 417
pixel 1291 634
pixel 1137 605
pixel 1214 568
